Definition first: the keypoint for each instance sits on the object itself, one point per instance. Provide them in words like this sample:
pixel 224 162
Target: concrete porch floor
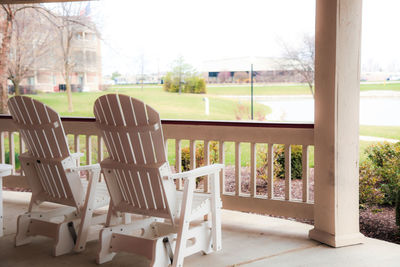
pixel 247 240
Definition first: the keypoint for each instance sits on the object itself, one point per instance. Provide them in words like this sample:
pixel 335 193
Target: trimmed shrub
pixel 195 84
pixel 369 192
pixel 383 163
pixel 171 84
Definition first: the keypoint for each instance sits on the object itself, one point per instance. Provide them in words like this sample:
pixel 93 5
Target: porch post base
pixel 336 240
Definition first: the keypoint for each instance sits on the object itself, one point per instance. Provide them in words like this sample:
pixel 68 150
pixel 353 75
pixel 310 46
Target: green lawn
pixel 188 106
pixel 391 132
pixel 170 105
pixel 381 86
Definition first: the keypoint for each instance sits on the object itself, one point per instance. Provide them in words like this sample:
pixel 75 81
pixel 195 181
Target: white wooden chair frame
pixel 54 176
pixel 174 224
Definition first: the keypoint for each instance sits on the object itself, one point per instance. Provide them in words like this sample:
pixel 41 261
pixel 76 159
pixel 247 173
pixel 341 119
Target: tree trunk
pixel 16 88
pixel 68 89
pixel 311 89
pixel 5 29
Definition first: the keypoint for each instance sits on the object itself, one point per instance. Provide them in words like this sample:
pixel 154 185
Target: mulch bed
pixel 375 222
pixel 380 223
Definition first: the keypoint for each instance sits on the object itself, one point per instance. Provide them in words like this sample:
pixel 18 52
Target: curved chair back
pixel 137 164
pixel 48 154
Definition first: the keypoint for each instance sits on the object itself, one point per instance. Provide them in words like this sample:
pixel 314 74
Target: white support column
pixel 337 76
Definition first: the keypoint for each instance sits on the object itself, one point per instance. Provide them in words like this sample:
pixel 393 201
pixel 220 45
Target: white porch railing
pixel 204 131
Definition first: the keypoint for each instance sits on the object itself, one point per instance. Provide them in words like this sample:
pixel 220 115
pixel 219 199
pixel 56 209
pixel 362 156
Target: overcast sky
pixel 161 30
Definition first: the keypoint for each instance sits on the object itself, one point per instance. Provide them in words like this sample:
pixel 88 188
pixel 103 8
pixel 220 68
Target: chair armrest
pixel 92 167
pixel 77 155
pixel 198 172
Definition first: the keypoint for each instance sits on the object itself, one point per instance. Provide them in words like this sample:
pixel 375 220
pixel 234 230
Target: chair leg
pixel 184 222
pixel 87 211
pixel 105 255
pixel 216 215
pixel 207 235
pixel 84 230
pixel 160 255
pixel 22 237
pixel 64 242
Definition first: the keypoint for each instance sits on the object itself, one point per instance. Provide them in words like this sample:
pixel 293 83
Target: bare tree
pixel 224 76
pixel 7 13
pixel 301 59
pixel 70 22
pixel 30 44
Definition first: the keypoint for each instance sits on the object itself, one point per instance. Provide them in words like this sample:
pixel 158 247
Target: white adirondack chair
pixel 140 181
pixel 54 176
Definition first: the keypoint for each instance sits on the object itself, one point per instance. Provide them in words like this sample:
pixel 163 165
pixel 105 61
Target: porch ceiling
pixel 36 1
pixel 248 240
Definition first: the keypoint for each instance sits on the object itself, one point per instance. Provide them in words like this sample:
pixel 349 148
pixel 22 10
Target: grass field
pixel 382 86
pixel 391 132
pixel 170 105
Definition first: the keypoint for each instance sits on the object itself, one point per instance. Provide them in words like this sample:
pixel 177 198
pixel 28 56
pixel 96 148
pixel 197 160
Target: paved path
pixel 376 107
pixel 377 139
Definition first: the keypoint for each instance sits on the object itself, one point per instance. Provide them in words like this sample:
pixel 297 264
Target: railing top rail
pixel 201 123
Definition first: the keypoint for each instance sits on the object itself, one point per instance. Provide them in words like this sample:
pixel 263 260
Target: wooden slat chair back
pixel 133 136
pixel 53 175
pixel 48 153
pixel 140 181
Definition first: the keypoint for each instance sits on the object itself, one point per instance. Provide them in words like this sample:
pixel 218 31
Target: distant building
pixel 86 73
pixel 237 70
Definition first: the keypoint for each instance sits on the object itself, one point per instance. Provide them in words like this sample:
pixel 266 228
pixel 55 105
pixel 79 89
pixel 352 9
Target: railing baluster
pixel 206 163
pixel 305 170
pixel 221 153
pixel 178 162
pixel 21 144
pixel 77 148
pixel 166 148
pixel 270 171
pixel 192 149
pixel 100 154
pixel 88 153
pixel 12 150
pixel 238 178
pixel 288 172
pixel 253 171
pixel 2 150
pixel 88 150
pixel 21 148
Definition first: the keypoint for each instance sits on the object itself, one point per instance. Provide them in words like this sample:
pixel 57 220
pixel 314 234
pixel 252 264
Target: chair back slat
pixel 145 138
pixel 43 133
pixel 133 136
pixel 156 137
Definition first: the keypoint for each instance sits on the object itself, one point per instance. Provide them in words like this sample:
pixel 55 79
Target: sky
pixel 156 32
